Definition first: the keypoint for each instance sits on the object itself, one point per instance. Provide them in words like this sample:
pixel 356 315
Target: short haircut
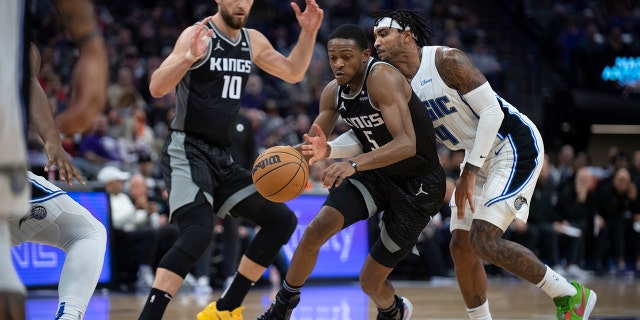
pixel 407 18
pixel 351 32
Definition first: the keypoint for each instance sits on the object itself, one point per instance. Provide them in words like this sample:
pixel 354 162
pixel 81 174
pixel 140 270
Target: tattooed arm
pixel 459 73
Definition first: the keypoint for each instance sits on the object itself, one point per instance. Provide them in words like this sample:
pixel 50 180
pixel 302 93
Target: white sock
pixel 9 280
pixel 67 311
pixel 556 285
pixel 480 312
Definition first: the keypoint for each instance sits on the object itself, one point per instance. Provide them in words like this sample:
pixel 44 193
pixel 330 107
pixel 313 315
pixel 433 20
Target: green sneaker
pixel 576 307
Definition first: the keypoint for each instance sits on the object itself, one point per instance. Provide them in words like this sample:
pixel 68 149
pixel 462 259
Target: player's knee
pixel 484 242
pixel 327 223
pixel 282 222
pixel 459 245
pixel 100 234
pixel 196 229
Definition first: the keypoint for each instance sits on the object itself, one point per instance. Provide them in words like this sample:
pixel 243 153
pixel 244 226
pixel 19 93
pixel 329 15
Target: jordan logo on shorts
pixel 420 191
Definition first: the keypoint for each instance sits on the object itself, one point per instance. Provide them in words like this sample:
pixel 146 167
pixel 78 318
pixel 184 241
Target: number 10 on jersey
pixel 232 87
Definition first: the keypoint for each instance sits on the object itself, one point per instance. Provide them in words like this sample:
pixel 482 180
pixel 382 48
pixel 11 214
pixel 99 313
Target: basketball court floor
pixel 510 298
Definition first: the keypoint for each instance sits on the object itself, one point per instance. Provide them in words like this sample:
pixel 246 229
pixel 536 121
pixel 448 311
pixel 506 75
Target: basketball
pixel 280 173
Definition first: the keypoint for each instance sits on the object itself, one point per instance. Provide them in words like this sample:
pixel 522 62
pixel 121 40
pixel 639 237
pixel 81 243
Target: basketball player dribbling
pixel 89 87
pixel 209 67
pixel 504 156
pixel 392 160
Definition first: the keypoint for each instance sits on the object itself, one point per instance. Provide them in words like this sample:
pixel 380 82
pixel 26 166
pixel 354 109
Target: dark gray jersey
pixel 369 126
pixel 208 96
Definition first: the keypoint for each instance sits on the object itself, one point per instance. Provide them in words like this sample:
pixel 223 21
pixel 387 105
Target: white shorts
pixel 504 185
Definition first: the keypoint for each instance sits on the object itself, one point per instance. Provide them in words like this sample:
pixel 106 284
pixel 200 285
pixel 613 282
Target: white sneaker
pixel 407 308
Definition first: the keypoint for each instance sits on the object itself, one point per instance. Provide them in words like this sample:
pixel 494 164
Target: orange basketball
pixel 280 173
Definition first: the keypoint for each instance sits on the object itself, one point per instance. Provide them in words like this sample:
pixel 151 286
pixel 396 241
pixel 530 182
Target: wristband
pixel 191 57
pixel 345 145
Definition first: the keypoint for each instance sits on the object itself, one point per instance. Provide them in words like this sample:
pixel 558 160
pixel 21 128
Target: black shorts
pixel 408 203
pixel 189 165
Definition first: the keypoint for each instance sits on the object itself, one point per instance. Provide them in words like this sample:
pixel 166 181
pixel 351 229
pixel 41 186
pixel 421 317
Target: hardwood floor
pixel 509 298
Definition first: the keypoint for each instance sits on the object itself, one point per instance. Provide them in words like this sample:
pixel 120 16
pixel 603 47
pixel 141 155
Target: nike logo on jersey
pixel 423 82
pixel 482 157
pixel 498 151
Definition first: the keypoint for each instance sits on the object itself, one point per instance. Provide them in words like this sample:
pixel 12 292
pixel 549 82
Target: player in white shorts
pixel 14 191
pixel 57 220
pixel 504 156
pixel 54 218
pixel 88 98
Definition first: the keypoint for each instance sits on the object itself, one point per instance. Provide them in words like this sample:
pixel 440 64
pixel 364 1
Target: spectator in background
pixel 254 96
pixel 97 149
pixel 130 244
pixel 575 208
pixel 634 168
pixel 486 62
pixel 564 163
pixel 616 201
pixel 123 94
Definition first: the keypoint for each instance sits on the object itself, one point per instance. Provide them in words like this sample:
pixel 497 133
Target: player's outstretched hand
pixel 311 19
pixel 58 157
pixel 201 38
pixel 316 147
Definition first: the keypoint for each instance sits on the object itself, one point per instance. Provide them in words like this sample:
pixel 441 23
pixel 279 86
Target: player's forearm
pixel 40 114
pixel 300 56
pixel 166 78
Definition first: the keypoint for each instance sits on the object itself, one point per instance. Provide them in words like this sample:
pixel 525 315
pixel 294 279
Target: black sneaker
pixel 404 311
pixel 281 309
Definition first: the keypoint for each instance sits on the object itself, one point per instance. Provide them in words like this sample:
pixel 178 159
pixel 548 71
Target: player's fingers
pixel 296 8
pixel 471 205
pixel 307 138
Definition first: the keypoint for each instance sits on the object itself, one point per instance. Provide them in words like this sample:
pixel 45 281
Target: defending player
pixel 209 67
pixel 389 168
pixel 88 97
pixel 56 219
pixel 504 155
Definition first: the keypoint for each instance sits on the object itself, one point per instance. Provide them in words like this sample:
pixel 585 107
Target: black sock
pixel 234 295
pixel 156 304
pixel 391 312
pixel 288 291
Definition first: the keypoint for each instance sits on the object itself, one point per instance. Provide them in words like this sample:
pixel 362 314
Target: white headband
pixel 387 22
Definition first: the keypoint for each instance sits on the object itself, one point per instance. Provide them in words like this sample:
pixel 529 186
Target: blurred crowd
pixel 601 203
pixel 577 36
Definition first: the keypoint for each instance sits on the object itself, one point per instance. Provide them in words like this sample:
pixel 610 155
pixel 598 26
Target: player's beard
pixel 232 21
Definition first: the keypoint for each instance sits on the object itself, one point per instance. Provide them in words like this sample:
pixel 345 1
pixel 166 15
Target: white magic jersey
pixel 12 140
pixel 510 168
pixel 454 120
